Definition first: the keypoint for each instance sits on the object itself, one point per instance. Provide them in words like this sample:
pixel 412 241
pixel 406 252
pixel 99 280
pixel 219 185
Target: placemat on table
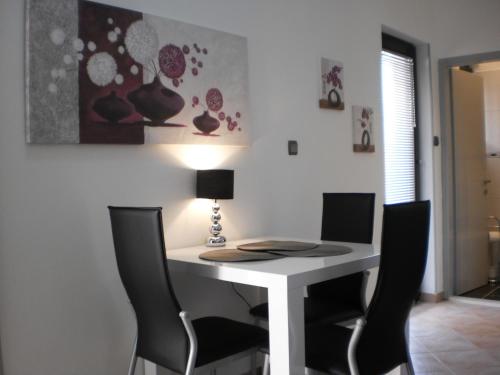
pixel 323 250
pixel 277 246
pixel 235 255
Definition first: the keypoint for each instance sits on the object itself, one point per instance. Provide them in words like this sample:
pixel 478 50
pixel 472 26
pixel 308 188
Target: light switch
pixel 293 148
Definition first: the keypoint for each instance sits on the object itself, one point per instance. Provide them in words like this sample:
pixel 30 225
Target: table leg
pixel 286 330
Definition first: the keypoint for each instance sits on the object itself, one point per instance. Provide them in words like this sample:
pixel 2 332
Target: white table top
pixel 294 271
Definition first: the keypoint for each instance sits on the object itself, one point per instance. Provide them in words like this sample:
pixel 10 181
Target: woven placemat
pixel 235 255
pixel 278 246
pixel 319 251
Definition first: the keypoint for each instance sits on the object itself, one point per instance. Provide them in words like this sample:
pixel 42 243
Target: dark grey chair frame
pixel 193 351
pixel 134 282
pixel 417 215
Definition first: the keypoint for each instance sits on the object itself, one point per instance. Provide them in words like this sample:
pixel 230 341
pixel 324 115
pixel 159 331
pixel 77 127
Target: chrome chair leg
pixel 133 359
pixel 353 342
pixel 267 367
pixel 409 367
pixel 193 343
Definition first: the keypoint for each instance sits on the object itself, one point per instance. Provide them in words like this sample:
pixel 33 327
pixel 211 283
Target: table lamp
pixel 215 184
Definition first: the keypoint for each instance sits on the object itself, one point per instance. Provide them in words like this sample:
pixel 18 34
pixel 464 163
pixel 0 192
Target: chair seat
pixel 219 338
pixel 317 310
pixel 326 349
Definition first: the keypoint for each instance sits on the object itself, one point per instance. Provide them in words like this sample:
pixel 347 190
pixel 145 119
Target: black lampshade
pixel 215 184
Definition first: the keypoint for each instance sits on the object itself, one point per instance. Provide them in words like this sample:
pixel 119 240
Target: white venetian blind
pixel 398 95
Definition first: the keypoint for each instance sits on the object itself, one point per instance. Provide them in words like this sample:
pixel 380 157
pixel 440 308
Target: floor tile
pixel 478 371
pixel 481 292
pixel 446 342
pixel 416 346
pixel 463 360
pixel 490 342
pixel 495 354
pixel 455 338
pixel 426 329
pixel 427 363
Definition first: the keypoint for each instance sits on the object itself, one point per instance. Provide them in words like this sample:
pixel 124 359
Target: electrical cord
pixel 241 296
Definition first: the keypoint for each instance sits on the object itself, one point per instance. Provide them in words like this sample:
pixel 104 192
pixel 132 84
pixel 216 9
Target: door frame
pixel 448 161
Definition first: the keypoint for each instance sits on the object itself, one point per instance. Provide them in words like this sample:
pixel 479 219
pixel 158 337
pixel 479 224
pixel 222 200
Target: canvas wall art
pixel 362 118
pixel 101 74
pixel 332 84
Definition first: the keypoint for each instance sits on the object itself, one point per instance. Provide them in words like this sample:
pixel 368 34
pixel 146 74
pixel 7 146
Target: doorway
pixel 470 89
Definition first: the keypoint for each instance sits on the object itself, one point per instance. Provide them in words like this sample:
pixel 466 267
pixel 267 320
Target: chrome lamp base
pixel 216 240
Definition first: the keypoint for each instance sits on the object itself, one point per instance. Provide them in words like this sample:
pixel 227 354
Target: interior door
pixel 471 256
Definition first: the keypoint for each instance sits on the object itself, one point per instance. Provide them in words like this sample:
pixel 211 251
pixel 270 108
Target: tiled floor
pixel 489 291
pixel 455 338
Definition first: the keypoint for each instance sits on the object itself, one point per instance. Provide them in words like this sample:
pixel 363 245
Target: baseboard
pixel 432 297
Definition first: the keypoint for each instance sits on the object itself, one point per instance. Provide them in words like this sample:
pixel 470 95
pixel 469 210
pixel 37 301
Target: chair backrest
pixel 348 217
pixel 405 233
pixel 142 264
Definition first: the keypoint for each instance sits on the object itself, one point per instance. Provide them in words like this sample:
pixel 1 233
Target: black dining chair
pixel 165 333
pixel 378 342
pixel 347 217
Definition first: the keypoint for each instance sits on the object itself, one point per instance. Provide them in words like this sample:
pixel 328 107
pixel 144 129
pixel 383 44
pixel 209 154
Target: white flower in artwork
pixel 142 42
pixel 62 73
pixel 110 21
pixel 101 68
pixel 78 45
pixel 54 73
pixel 79 56
pixel 121 50
pixel 91 46
pixel 67 59
pixel 134 69
pixel 118 30
pixel 57 36
pixel 119 79
pixel 112 37
pixel 52 88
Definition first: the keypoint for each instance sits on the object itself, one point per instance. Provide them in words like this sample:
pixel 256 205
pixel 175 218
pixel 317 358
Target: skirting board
pixel 430 297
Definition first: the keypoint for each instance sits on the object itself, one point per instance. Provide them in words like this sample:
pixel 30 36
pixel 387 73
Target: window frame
pixel 401 47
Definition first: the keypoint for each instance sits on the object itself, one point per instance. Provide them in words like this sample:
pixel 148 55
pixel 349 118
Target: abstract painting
pixel 102 74
pixel 332 84
pixel 362 118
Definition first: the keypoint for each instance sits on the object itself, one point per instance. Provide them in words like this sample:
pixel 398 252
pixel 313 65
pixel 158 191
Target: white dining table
pixel 285 279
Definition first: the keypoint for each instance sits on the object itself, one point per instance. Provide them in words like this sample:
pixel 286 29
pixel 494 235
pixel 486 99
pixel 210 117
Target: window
pixel 399 120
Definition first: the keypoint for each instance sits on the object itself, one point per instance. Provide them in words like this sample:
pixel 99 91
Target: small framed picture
pixel 362 125
pixel 332 84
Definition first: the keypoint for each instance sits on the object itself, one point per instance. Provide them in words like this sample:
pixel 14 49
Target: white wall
pixel 62 307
